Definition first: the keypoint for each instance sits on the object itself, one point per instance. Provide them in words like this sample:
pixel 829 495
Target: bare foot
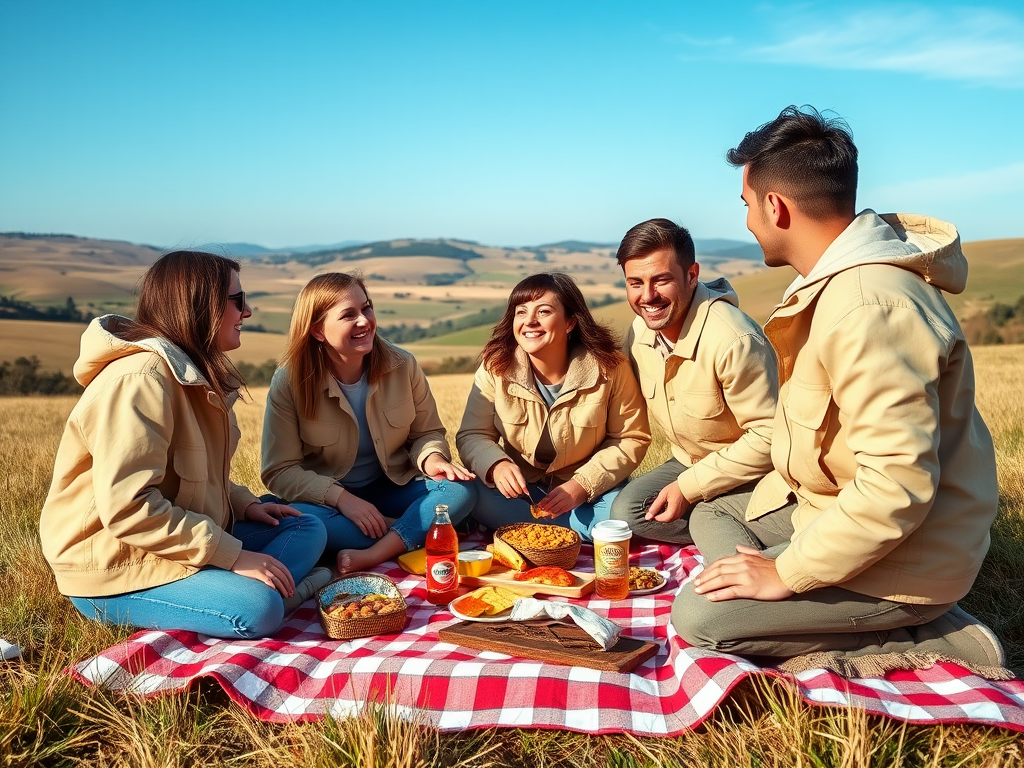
pixel 352 560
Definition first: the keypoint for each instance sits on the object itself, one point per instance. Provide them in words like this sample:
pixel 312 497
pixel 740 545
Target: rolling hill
pixel 412 282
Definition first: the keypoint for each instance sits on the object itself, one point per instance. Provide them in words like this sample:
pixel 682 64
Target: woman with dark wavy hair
pixel 563 401
pixel 142 524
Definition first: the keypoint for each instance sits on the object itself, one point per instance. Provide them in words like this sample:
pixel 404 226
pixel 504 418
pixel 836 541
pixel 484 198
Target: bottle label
pixel 442 574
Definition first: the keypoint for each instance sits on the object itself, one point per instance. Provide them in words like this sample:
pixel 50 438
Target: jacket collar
pixel 583 371
pixel 693 324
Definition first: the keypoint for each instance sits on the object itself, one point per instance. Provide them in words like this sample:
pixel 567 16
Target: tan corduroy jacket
pixel 140 494
pixel 303 458
pixel 715 395
pixel 598 424
pixel 877 435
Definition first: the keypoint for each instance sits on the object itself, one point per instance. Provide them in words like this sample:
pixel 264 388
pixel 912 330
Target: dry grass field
pixel 47 719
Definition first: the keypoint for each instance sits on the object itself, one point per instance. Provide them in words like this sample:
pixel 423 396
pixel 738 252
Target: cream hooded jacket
pixel 598 424
pixel 303 459
pixel 877 436
pixel 140 494
pixel 714 397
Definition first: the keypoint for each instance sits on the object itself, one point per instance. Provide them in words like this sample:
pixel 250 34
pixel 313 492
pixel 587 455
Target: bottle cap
pixel 611 530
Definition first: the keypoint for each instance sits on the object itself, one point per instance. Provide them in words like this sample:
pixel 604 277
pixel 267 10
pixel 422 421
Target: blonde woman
pixel 142 525
pixel 352 434
pixel 562 400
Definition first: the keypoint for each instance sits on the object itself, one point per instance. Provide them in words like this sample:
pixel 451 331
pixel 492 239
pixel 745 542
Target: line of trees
pixel 999 324
pixel 15 309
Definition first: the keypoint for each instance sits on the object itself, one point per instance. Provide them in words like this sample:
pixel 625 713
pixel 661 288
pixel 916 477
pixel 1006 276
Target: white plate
pixel 503 616
pixel 650 590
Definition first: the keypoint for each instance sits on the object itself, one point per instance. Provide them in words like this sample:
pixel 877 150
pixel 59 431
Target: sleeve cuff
pixel 226 551
pixel 333 494
pixel 689 486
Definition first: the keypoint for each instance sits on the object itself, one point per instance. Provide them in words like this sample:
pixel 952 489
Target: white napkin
pixel 8 651
pixel 605 633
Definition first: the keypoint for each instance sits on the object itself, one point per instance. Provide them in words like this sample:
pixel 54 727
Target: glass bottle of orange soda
pixel 442 558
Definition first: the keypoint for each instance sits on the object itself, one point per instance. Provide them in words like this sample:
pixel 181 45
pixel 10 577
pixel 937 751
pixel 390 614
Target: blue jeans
pixel 412 504
pixel 214 601
pixel 494 510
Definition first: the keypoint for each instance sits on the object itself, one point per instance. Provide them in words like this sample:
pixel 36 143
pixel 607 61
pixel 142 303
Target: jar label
pixel 611 560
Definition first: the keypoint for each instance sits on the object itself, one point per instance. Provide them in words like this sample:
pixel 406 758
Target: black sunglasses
pixel 239 299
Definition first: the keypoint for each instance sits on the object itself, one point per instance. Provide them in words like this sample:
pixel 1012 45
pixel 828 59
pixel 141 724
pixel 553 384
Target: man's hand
pixel 508 479
pixel 563 498
pixel 366 516
pixel 748 574
pixel 269 570
pixel 437 467
pixel 269 512
pixel 669 505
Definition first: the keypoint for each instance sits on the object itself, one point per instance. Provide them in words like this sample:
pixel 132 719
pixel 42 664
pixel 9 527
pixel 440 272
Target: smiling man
pixel 875 519
pixel 708 377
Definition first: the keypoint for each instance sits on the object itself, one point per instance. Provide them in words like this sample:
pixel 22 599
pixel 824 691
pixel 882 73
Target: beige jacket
pixel 140 494
pixel 303 458
pixel 715 395
pixel 598 424
pixel 877 435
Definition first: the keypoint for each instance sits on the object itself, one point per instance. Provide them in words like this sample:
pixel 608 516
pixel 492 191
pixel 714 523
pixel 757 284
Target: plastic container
pixel 611 558
pixel 475 562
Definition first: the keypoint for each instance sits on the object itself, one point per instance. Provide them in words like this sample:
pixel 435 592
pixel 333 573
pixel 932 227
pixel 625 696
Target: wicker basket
pixel 357 584
pixel 563 557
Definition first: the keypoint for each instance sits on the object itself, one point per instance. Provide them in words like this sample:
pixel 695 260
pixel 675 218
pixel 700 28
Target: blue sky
pixel 180 123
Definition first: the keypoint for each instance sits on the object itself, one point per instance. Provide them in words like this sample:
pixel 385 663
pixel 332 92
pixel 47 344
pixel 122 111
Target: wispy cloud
pixel 1004 180
pixel 975 45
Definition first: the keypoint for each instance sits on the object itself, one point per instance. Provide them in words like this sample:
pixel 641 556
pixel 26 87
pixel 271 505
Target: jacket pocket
pixel 190 467
pixel 318 434
pixel 588 425
pixel 704 422
pixel 401 415
pixel 807 411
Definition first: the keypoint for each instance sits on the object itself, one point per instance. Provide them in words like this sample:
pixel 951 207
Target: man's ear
pixel 693 272
pixel 778 209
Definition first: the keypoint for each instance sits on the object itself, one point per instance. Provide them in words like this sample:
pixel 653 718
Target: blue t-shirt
pixel 366 468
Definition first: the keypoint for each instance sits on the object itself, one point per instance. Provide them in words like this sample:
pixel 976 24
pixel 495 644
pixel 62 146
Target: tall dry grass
pixel 46 718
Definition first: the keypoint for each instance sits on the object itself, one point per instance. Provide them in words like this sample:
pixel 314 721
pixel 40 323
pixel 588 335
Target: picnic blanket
pixel 301 674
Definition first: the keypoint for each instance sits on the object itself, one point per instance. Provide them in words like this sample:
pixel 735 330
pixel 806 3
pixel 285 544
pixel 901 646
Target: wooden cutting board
pixel 501 576
pixel 550 641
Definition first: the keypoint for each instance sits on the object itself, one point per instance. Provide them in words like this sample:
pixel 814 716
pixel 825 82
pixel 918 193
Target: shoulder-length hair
pixel 305 356
pixel 182 299
pixel 500 351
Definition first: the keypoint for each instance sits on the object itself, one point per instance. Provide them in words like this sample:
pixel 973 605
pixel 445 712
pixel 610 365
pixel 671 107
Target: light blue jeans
pixel 214 601
pixel 412 504
pixel 494 510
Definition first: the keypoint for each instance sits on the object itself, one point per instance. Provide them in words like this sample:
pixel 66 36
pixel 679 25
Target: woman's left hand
pixel 269 512
pixel 564 498
pixel 437 466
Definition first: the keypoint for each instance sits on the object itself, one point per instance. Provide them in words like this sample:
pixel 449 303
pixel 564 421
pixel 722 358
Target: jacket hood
pixel 924 245
pixel 101 345
pixel 719 289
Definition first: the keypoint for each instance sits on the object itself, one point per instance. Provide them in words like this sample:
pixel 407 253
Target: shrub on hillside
pixel 23 377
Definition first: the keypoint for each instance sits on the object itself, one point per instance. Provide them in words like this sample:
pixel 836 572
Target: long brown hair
pixel 499 352
pixel 182 299
pixel 305 357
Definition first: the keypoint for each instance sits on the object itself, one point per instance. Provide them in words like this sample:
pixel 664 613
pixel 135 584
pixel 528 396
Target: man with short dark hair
pixel 708 377
pixel 875 519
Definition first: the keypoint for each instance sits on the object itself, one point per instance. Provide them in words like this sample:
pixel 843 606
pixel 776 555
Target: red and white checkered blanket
pixel 300 674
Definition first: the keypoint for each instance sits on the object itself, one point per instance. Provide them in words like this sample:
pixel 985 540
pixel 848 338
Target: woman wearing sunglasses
pixel 565 406
pixel 142 524
pixel 352 434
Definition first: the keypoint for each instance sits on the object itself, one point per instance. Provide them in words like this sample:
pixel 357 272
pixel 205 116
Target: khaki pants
pixel 826 619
